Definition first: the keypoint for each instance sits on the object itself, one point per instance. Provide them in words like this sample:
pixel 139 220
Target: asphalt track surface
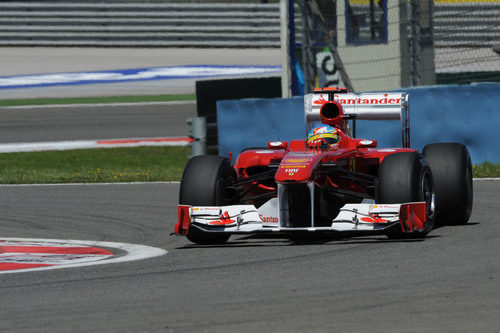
pixel 94 122
pixel 447 282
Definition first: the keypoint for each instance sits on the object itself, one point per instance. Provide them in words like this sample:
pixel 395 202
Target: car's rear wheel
pixel 406 177
pixel 205 182
pixel 452 170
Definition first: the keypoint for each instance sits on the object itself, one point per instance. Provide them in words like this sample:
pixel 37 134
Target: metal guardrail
pixel 139 24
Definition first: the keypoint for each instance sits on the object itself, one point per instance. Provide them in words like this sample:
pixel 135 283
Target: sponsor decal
pixel 297 160
pixel 293 166
pixel 291 172
pixel 268 219
pixel 385 206
pixel 320 100
pixel 206 209
pixel 370 101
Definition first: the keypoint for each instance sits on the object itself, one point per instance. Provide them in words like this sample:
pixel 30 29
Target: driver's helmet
pixel 323 135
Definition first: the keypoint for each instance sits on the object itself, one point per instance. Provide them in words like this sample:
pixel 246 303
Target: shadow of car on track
pixel 253 241
pixel 269 240
pixel 468 224
pixel 237 243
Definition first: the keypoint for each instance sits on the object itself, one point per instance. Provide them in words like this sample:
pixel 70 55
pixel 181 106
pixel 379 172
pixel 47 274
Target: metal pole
pixel 291 46
pixel 286 76
pixel 415 42
pixel 307 47
pixel 372 20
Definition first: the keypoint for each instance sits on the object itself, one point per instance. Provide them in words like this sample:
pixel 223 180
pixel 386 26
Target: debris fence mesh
pixel 421 42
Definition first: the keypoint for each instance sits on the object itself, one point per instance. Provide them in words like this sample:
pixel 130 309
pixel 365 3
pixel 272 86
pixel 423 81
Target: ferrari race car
pixel 332 183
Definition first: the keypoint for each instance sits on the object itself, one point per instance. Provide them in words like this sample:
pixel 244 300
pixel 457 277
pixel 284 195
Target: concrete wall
pixel 375 65
pixel 387 65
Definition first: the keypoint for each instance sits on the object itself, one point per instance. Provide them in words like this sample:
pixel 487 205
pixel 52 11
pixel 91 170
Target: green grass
pixel 114 165
pixel 92 100
pixel 486 170
pixel 94 165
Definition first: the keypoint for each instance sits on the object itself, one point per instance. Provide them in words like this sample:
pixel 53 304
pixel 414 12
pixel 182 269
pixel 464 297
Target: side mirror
pixel 277 145
pixel 363 143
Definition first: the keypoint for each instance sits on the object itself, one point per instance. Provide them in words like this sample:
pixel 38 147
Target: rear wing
pixel 364 106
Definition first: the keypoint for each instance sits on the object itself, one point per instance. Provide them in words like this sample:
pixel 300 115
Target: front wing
pixel 246 219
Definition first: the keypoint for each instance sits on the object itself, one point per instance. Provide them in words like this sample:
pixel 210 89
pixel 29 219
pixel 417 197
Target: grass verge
pixel 486 170
pixel 97 100
pixel 94 165
pixel 114 165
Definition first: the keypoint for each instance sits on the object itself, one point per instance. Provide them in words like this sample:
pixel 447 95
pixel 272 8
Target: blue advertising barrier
pixel 253 122
pixel 465 114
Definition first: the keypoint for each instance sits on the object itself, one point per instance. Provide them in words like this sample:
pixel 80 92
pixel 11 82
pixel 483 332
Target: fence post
pixel 286 62
pixel 415 50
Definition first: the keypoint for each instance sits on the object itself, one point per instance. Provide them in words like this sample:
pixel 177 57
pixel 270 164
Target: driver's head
pixel 323 135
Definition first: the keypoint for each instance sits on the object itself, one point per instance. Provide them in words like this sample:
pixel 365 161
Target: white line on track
pixel 133 252
pixel 91 144
pixel 134 75
pixel 92 105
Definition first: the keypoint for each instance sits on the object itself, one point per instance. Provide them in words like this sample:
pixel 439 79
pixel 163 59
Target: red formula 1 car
pixel 330 183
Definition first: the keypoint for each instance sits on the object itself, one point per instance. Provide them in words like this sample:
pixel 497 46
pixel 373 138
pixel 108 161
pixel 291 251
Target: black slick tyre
pixel 452 170
pixel 204 183
pixel 405 177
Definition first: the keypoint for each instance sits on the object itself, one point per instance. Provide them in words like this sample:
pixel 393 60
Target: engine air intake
pixel 331 113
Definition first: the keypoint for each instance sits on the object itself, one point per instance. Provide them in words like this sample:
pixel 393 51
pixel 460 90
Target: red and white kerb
pixel 22 254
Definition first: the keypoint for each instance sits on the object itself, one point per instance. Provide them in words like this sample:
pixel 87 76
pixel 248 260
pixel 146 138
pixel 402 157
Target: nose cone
pixel 297 167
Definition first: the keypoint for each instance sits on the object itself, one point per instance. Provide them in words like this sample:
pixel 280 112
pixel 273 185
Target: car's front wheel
pixel 204 183
pixel 406 177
